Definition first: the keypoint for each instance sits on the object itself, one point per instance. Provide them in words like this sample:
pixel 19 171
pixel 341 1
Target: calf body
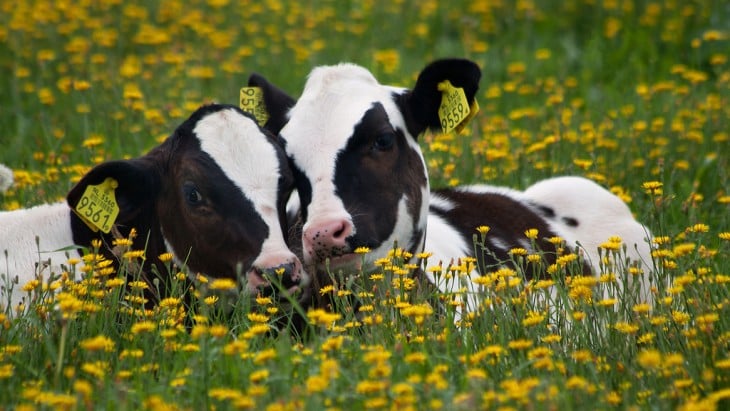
pixel 213 194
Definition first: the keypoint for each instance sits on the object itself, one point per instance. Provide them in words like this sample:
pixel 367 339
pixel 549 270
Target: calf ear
pixel 136 189
pixel 277 103
pixel 421 104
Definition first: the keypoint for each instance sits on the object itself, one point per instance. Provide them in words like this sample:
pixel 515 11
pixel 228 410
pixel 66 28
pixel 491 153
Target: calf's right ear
pixel 421 104
pixel 136 182
pixel 277 102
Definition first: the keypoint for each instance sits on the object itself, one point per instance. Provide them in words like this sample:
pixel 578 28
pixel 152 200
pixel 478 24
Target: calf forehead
pixel 334 101
pixel 244 154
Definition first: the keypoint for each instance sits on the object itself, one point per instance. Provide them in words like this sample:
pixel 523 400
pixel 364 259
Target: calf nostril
pixel 340 232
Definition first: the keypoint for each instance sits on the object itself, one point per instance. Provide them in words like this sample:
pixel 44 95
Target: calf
pixel 362 179
pixel 213 194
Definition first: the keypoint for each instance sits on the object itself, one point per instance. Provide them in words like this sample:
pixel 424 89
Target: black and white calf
pixel 362 179
pixel 360 173
pixel 213 194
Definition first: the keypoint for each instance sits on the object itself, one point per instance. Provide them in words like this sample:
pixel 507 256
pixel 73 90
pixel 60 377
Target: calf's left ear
pixel 421 104
pixel 276 101
pixel 136 185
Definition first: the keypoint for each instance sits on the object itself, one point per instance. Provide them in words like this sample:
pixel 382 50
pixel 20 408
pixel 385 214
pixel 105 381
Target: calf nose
pixel 266 278
pixel 322 239
pixel 287 274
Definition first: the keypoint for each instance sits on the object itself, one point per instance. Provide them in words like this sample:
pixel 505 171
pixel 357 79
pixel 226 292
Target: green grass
pixel 624 92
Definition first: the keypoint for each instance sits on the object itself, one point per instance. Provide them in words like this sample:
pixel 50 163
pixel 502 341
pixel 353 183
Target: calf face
pixel 214 194
pixel 359 171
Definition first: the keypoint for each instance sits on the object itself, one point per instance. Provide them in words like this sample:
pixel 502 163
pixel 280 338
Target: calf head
pixel 360 174
pixel 213 193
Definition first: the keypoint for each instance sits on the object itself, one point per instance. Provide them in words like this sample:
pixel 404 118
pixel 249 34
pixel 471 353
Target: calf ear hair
pixel 421 104
pixel 138 185
pixel 276 100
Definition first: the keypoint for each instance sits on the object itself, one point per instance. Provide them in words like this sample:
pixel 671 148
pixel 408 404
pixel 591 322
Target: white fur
pixel 6 178
pixel 487 189
pixel 51 225
pixel 600 214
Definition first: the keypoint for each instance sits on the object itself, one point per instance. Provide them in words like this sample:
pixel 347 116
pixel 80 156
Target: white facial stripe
pixel 403 224
pixel 423 217
pixel 228 137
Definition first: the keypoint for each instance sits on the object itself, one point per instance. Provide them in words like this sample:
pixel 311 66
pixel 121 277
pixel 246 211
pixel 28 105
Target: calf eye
pixel 384 142
pixel 192 195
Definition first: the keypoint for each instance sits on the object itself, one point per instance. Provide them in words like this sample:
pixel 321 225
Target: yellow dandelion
pixel 483 229
pixel 698 228
pixel 531 233
pixel 652 187
pixel 98 343
pixel 138 285
pixel 533 318
pixel 650 359
pixel 518 251
pixel 142 327
pixel 223 284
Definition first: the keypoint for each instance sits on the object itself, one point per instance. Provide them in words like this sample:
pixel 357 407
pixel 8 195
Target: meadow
pixel 633 94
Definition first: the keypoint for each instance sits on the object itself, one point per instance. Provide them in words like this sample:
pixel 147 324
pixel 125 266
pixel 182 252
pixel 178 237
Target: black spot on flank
pixel 571 221
pixel 547 211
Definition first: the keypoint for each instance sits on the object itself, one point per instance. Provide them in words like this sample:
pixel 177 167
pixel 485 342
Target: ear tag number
pixel 252 101
pixel 98 207
pixel 454 112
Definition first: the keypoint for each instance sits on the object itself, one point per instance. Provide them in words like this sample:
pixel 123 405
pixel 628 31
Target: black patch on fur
pixel 572 222
pixel 547 211
pixel 507 218
pixel 371 181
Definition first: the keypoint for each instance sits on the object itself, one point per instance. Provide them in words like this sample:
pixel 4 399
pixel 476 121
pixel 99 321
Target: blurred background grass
pixel 622 91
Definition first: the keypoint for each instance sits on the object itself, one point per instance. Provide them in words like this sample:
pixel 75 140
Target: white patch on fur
pixel 403 224
pixel 228 137
pixel 447 245
pixel 600 215
pixel 6 178
pixel 487 189
pixel 293 206
pixel 441 203
pixel 497 242
pixel 423 216
pixel 51 224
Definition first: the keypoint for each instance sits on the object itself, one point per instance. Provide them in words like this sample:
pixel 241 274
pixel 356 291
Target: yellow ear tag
pixel 252 101
pixel 454 112
pixel 98 207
